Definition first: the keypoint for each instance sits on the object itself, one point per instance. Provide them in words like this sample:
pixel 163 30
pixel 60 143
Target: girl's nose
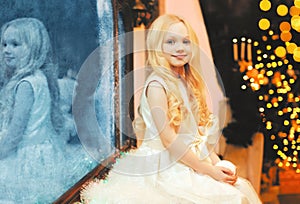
pixel 179 47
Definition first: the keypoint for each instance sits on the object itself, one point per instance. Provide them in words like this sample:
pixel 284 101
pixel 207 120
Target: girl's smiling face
pixel 14 49
pixel 177 46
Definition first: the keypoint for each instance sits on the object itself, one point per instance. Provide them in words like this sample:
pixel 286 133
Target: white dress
pixel 150 174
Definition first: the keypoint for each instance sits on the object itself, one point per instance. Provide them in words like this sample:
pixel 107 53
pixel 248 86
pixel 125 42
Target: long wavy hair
pixel 34 34
pixel 160 66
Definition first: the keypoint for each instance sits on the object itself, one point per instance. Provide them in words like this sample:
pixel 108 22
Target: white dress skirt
pixel 151 175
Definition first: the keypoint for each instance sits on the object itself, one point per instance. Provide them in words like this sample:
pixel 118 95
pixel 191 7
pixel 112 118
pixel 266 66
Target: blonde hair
pixel 160 66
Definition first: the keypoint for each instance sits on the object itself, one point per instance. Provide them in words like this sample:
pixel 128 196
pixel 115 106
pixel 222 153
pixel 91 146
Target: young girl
pixel 175 162
pixel 33 154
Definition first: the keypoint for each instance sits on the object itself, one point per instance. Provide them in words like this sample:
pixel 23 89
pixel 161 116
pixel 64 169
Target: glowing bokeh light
pixel 264 24
pixel 297 3
pixel 280 51
pixel 285 36
pixel 295 22
pixel 294 11
pixel 285 26
pixel 296 54
pixel 282 10
pixel 291 47
pixel 265 5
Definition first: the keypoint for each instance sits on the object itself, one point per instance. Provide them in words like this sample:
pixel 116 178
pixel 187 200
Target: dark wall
pixel 225 20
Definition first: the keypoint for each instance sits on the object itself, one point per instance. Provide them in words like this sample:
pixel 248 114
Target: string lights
pixel 270 67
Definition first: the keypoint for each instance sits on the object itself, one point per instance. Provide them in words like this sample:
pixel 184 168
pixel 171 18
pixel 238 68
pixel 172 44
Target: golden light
pixel 298 171
pixel 271 91
pixel 280 113
pixel 285 26
pixel 280 51
pixel 245 77
pixel 286 122
pixel 285 36
pixel 261 98
pixel 294 11
pixel 268 125
pixel 264 38
pixel 272 137
pixel 295 22
pixel 261 81
pixel 258 52
pixel 297 3
pixel 280 63
pixel 252 73
pixel 261 109
pixel 271 32
pixel 273 57
pixel 255 44
pixel 265 56
pixel 243 87
pixel 282 10
pixel 255 86
pixel 265 5
pixel 280 164
pixel 290 95
pixel 259 58
pixel 294 165
pixel 275 104
pixel 269 105
pixel 268 47
pixel 275 146
pixel 264 24
pixel 291 47
pixel 296 54
pixel 290 71
pixel 275 37
pixel 269 73
pixel 274 64
pixel 280 98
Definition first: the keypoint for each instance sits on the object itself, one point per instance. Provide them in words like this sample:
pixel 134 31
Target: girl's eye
pixel 186 42
pixel 4 44
pixel 15 44
pixel 171 42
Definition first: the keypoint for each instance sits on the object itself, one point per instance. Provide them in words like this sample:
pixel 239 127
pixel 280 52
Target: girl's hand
pixel 223 174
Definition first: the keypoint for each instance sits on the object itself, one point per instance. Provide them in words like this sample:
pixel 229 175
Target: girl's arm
pixel 214 157
pixel 158 103
pixel 21 112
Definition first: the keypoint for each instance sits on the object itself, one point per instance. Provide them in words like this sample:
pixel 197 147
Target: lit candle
pixel 249 50
pixel 235 49
pixel 243 48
